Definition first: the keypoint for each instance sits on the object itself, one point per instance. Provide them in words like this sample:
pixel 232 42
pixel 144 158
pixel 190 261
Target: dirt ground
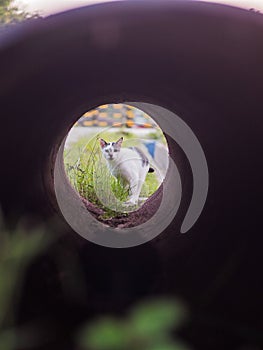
pixel 125 220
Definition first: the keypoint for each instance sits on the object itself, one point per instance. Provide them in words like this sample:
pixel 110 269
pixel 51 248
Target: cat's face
pixel 111 150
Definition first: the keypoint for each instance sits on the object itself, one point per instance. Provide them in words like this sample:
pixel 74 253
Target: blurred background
pixel 87 169
pixel 46 7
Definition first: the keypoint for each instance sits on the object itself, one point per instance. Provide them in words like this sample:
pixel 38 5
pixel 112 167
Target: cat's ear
pixel 119 142
pixel 103 143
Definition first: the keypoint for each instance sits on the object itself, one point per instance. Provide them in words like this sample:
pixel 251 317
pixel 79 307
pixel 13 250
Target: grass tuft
pixel 87 171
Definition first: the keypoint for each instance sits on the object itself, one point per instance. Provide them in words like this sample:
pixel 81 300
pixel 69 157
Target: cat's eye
pixel 115 150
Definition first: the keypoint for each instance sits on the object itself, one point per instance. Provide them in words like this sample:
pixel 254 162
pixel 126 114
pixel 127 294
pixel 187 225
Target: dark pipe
pixel 201 61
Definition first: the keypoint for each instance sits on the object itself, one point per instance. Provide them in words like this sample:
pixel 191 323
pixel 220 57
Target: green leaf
pixel 7 340
pixel 156 317
pixel 163 347
pixel 176 345
pixel 104 334
pixel 17 250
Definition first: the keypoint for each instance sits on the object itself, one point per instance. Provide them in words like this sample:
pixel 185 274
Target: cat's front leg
pixel 133 192
pixel 131 201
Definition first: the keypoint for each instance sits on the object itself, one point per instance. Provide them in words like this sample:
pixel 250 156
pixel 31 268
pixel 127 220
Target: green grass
pixel 88 174
pixel 147 326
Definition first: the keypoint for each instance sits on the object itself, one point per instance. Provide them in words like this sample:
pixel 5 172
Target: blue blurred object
pixel 151 147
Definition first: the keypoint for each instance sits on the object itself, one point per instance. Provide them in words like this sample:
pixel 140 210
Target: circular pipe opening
pixel 116 158
pixel 163 205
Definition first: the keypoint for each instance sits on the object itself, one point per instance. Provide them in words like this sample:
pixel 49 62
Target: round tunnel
pixel 202 62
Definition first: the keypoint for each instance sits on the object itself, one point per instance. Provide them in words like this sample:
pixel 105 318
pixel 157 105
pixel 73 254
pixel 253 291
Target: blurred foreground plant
pixel 18 247
pixel 147 327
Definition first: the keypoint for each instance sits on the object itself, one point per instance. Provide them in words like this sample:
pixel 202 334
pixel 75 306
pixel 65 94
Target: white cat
pixel 130 164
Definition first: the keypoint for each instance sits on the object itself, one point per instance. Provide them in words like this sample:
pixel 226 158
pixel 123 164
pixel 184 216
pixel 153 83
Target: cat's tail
pixel 151 170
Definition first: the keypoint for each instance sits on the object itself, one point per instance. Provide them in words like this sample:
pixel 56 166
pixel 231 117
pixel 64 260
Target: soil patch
pixel 125 220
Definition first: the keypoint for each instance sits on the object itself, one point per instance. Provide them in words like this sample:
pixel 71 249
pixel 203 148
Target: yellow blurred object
pixel 129 123
pixel 88 122
pixel 117 115
pixel 103 115
pixel 147 125
pixel 117 106
pixel 116 125
pixel 103 123
pixel 130 114
pixel 88 114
